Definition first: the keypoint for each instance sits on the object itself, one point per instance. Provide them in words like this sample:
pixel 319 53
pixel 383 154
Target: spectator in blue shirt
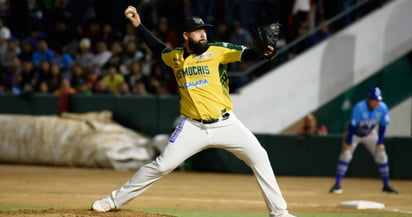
pixel 44 53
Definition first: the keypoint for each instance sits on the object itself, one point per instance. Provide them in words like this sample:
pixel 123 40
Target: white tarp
pixel 81 140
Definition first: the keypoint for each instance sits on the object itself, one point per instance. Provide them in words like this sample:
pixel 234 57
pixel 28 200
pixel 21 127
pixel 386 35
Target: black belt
pixel 211 121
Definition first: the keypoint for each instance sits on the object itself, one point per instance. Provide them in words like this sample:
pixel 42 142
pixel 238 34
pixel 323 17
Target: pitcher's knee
pixel 164 169
pixel 259 155
pixel 157 168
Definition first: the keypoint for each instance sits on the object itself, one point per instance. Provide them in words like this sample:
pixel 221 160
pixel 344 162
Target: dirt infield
pixel 68 192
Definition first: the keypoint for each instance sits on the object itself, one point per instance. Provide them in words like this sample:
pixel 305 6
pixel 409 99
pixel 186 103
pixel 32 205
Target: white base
pixel 362 204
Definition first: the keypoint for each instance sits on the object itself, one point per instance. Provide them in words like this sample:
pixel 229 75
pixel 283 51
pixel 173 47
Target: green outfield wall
pixel 289 154
pixel 314 156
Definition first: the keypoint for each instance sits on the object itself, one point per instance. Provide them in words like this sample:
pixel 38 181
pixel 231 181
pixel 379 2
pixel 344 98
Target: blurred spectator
pixel 160 82
pixel 78 75
pixel 10 51
pixel 44 53
pixel 300 14
pixel 131 55
pixel 13 77
pixel 63 60
pixel 100 58
pixel 35 11
pixel 139 88
pixel 115 59
pixel 112 79
pixel 26 53
pixel 167 35
pixel 36 35
pixel 240 36
pixel 84 56
pixel 135 74
pixel 318 37
pixel 94 33
pixel 43 73
pixel 92 79
pixel 310 127
pixel 107 33
pixel 130 34
pixel 65 88
pixel 5 32
pixel 43 87
pixel 28 76
pixel 3 41
pixel 323 130
pixel 83 88
pixel 147 62
pixel 64 92
pixel 123 89
pixel 158 87
pixel 55 77
pixel 302 30
pixel 101 88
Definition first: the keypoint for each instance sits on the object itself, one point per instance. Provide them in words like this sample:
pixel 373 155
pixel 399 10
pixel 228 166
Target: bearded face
pixel 198 47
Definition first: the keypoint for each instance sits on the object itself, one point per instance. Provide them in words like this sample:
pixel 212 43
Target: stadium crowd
pixel 87 47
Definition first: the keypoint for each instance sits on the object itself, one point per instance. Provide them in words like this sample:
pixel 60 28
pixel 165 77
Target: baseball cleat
pixel 103 205
pixel 389 190
pixel 336 189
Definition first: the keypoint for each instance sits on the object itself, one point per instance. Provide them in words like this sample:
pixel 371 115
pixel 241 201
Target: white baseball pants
pixel 191 137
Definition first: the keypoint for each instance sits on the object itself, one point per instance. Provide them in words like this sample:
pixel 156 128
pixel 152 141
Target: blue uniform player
pixel 367 116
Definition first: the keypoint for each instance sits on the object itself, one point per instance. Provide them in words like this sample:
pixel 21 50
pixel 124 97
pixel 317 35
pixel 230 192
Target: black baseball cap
pixel 192 23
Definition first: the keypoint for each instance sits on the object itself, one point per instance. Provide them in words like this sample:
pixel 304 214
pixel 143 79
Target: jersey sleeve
pixel 355 116
pixel 385 119
pixel 154 43
pixel 230 53
pixel 167 57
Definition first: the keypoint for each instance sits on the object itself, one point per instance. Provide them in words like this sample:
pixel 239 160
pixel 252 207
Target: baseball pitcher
pixel 207 119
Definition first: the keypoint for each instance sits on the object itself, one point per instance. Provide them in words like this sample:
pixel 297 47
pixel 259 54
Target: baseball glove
pixel 263 36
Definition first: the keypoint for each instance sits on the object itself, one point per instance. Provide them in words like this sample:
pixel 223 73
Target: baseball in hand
pixel 129 12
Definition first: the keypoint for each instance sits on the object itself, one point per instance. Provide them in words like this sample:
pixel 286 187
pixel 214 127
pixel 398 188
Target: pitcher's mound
pixel 77 213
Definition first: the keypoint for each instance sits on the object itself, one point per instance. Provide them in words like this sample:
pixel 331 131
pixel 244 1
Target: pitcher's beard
pixel 198 47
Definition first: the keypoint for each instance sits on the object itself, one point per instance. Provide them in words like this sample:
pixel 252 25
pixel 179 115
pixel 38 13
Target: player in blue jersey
pixel 367 116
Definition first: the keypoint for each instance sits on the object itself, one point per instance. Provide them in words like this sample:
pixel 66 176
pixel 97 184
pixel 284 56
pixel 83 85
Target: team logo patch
pixel 205 55
pixel 197 20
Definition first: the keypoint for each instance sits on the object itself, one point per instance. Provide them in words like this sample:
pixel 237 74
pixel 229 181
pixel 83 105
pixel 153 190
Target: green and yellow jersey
pixel 202 79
